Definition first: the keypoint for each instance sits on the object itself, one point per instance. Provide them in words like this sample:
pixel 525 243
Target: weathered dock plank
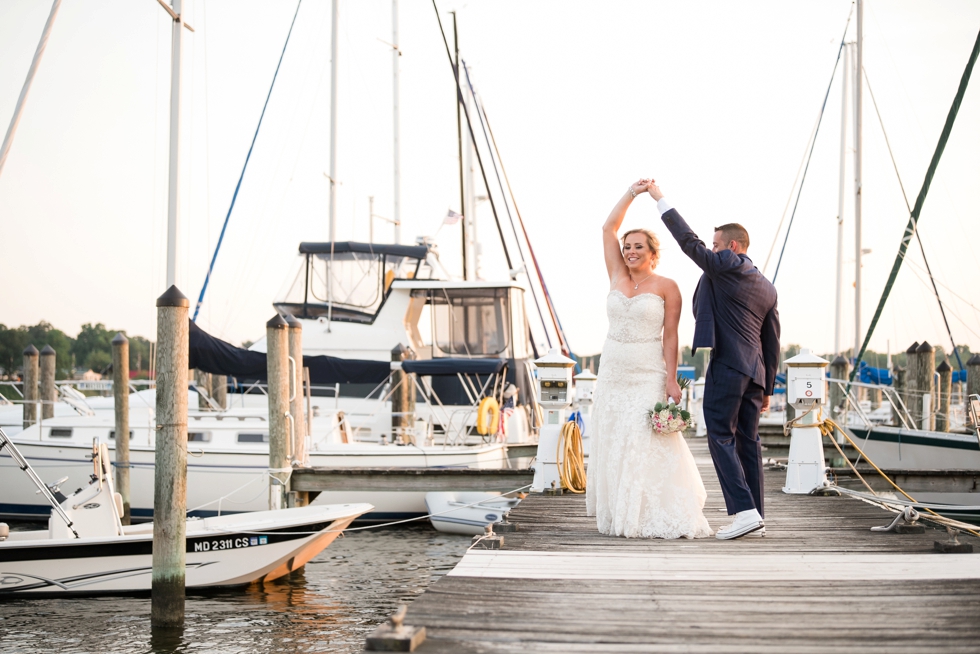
pixel 819 580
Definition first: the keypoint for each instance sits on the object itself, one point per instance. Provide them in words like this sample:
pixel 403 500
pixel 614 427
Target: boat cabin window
pixel 470 321
pixel 347 281
pixel 253 437
pixel 112 434
pixel 60 432
pixel 198 437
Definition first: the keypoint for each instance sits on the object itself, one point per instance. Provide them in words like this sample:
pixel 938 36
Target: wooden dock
pixel 819 581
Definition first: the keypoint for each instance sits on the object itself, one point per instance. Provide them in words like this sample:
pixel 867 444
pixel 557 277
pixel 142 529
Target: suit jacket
pixel 734 307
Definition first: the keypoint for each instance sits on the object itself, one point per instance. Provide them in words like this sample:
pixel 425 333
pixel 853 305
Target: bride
pixel 640 484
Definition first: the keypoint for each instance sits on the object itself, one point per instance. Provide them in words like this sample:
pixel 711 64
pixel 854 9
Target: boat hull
pixel 908 449
pixel 221 552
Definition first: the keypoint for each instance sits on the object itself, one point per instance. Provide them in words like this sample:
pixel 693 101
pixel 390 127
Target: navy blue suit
pixel 735 315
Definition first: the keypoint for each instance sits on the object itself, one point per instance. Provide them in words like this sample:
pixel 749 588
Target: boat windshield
pixel 469 322
pixel 348 281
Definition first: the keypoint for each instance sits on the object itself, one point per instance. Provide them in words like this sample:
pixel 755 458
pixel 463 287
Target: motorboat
pixel 86 550
pixel 467 513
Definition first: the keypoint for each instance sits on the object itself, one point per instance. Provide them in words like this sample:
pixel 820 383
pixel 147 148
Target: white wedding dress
pixel 640 484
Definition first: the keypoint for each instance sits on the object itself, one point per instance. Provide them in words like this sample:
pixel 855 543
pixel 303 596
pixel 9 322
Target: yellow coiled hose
pixel 571 458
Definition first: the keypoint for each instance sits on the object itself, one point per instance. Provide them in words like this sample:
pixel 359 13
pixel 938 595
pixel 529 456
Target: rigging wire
pixel 779 227
pixel 238 186
pixel 480 112
pixel 469 125
pixel 813 145
pixel 527 239
pixel 909 208
pixel 919 201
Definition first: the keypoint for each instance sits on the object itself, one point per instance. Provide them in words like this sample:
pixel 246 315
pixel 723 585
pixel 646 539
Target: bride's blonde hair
pixel 652 242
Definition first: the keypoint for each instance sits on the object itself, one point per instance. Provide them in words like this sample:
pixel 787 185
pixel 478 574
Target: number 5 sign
pixel 810 389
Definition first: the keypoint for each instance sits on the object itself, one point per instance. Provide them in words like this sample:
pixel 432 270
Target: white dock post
pixel 170 474
pixel 806 390
pixel 120 396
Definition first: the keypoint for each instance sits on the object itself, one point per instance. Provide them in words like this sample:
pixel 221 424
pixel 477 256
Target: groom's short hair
pixel 735 232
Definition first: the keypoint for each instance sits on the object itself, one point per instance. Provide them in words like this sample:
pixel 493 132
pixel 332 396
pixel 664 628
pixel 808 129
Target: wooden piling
pixel 203 382
pixel 944 395
pixel 898 383
pixel 277 361
pixel 402 398
pixel 913 401
pixel 31 374
pixel 49 394
pixel 972 380
pixel 925 383
pixel 295 331
pixel 219 390
pixel 120 396
pixel 170 474
pixel 839 369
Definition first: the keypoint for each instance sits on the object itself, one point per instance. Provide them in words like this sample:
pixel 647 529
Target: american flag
pixel 451 218
pixel 505 413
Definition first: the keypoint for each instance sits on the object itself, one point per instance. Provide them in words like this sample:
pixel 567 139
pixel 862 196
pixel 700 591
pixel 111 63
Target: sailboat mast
pixel 858 86
pixel 840 200
pixel 334 17
pixel 459 146
pixel 395 93
pixel 173 193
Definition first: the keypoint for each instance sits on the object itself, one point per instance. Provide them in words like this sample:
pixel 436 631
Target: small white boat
pixel 86 550
pixel 467 513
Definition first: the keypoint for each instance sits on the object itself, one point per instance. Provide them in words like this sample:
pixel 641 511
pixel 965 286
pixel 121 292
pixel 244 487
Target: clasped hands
pixel 647 186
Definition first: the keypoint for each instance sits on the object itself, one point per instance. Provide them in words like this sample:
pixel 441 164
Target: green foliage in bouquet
pixel 675 411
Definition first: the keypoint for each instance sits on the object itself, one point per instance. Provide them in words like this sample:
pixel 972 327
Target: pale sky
pixel 716 100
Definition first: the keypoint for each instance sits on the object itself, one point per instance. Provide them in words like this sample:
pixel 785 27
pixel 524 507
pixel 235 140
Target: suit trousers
pixel 732 405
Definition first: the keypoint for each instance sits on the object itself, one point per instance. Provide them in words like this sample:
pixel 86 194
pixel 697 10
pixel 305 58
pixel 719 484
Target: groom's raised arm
pixel 708 261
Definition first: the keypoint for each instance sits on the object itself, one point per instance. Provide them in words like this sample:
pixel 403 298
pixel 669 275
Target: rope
pixel 238 186
pixel 919 201
pixel 918 237
pixel 571 458
pixel 827 428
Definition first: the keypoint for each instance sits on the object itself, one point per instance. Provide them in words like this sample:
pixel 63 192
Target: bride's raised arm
pixel 672 315
pixel 610 232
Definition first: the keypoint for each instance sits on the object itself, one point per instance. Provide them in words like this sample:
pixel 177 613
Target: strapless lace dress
pixel 640 485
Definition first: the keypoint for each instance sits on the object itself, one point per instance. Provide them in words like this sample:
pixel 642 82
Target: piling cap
pixel 554 359
pixel 806 359
pixel 943 366
pixel 839 361
pixel 974 360
pixel 913 348
pixel 173 298
pixel 120 338
pixel 293 322
pixel 47 351
pixel 585 375
pixel 925 347
pixel 30 351
pixel 276 322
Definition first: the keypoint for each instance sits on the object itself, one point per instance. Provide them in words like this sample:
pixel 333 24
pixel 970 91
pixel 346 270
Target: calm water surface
pixel 343 594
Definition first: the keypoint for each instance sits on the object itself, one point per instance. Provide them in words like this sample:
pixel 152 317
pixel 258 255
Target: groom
pixel 735 314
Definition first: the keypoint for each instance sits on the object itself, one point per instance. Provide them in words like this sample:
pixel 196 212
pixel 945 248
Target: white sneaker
pixel 745 522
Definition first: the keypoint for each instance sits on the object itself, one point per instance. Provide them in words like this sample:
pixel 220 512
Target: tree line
pixel 90 349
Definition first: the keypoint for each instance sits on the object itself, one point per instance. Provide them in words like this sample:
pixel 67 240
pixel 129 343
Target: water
pixel 342 595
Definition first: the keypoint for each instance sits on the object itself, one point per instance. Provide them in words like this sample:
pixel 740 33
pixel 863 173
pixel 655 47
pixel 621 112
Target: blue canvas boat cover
pixel 219 357
pixel 451 366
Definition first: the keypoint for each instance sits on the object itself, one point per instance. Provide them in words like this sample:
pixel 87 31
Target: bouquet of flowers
pixel 667 418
